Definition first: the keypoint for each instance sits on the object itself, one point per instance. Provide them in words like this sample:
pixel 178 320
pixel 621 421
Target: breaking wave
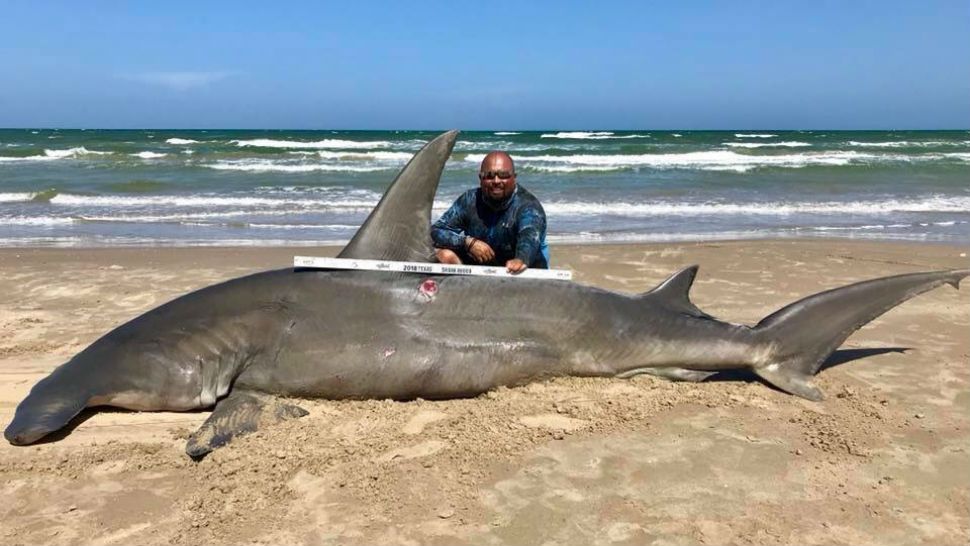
pixel 329 143
pixel 589 135
pixel 754 135
pixel 57 154
pixel 780 208
pixel 18 197
pixel 787 144
pixel 721 160
pixel 909 144
pixel 149 155
pixel 263 166
pixel 181 141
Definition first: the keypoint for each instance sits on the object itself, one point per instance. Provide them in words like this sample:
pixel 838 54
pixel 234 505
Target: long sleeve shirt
pixel 514 229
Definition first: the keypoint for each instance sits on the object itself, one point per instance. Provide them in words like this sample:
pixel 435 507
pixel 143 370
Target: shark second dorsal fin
pixel 674 293
pixel 399 227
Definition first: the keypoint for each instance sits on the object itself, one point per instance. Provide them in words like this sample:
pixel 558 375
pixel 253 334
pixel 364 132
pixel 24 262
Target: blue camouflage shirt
pixel 514 228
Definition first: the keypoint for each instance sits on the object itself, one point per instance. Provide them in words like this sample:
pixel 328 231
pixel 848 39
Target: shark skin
pixel 241 344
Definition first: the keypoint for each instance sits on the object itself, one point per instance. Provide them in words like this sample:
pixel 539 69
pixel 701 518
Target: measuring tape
pixel 428 268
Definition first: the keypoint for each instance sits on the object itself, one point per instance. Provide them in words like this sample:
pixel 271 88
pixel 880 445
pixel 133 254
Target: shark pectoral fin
pixel 673 374
pixel 790 380
pixel 238 414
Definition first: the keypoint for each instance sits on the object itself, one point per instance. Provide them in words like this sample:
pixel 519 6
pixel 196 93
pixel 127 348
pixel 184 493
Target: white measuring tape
pixel 428 268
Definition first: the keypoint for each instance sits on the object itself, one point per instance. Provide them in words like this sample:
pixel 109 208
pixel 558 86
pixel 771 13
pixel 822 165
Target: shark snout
pixel 22 434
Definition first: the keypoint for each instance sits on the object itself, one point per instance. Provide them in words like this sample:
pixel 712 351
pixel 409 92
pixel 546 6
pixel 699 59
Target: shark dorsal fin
pixel 399 227
pixel 674 293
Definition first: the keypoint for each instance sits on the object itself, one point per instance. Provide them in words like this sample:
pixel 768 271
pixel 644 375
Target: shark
pixel 247 346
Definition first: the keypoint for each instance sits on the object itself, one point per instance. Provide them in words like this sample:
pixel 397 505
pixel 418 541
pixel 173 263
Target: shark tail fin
pixel 802 335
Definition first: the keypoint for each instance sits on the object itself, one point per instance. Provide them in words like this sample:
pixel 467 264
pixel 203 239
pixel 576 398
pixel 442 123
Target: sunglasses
pixel 503 175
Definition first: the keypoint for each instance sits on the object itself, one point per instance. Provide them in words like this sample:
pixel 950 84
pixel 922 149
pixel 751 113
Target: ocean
pixel 192 187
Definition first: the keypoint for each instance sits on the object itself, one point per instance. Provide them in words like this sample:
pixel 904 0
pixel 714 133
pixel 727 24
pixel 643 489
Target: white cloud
pixel 179 81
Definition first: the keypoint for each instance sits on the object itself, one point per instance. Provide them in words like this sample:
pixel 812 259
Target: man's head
pixel 497 176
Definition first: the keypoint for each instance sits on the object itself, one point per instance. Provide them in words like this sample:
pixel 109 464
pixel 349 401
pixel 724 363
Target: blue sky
pixel 486 65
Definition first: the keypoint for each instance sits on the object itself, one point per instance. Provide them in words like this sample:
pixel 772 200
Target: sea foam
pixel 329 143
pixel 376 156
pixel 263 166
pixel 909 143
pixel 786 144
pixel 776 208
pixel 719 160
pixel 181 141
pixel 57 154
pixel 149 155
pixel 18 197
pixel 589 135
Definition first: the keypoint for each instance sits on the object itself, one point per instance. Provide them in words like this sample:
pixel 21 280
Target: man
pixel 498 223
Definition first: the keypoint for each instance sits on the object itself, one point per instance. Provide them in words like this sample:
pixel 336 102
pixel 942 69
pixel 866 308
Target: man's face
pixel 497 177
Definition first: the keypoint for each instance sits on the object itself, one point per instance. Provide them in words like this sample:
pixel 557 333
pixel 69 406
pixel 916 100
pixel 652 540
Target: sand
pixel 883 460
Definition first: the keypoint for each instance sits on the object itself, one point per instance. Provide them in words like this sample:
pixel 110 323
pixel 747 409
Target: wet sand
pixel 883 460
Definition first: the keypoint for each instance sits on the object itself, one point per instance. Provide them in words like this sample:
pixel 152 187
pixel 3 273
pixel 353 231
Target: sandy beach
pixel 883 460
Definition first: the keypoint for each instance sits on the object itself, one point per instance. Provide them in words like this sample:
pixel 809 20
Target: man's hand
pixel 515 265
pixel 480 251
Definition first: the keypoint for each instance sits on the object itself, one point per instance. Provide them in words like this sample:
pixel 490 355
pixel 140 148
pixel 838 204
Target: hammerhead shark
pixel 242 344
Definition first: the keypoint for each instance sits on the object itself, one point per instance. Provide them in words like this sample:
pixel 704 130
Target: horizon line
pixel 708 130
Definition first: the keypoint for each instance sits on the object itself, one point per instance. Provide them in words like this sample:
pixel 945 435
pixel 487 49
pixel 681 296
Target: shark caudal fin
pixel 399 228
pixel 803 334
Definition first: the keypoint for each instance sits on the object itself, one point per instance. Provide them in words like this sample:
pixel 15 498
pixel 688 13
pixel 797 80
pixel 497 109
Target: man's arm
pixel 529 229
pixel 449 230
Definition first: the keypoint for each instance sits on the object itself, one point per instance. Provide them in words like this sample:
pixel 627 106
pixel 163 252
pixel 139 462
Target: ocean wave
pixel 589 135
pixel 329 227
pixel 198 201
pixel 330 143
pixel 16 197
pixel 338 191
pixel 148 155
pixel 181 141
pixel 262 166
pixel 41 221
pixel 781 208
pixel 720 160
pixel 754 135
pixel 573 169
pixel 909 143
pixel 50 155
pixel 364 156
pixel 577 134
pixel 505 133
pixel 72 152
pixel 786 144
pixel 870 227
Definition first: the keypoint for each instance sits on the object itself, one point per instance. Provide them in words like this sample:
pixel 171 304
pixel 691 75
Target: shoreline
pixel 729 460
pixel 283 243
pixel 257 244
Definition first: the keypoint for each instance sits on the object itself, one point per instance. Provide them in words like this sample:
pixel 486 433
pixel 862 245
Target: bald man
pixel 497 223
